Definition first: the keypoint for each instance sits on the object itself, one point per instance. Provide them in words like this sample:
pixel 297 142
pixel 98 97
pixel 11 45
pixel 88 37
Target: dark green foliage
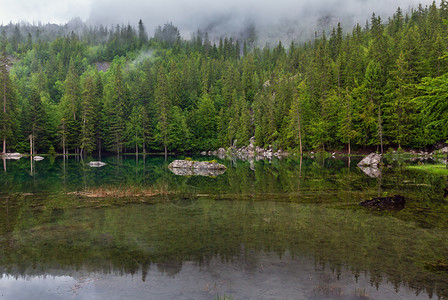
pixel 383 85
pixel 8 101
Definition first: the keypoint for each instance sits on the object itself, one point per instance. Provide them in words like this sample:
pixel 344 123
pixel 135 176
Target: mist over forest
pixel 268 21
pixel 272 21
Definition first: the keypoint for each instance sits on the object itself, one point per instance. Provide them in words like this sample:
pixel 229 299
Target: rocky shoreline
pixel 255 152
pixel 249 151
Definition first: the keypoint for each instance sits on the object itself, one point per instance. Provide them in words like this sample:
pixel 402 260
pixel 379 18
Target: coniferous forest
pixel 119 89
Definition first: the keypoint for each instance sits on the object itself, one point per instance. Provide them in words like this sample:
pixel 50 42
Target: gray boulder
pixel 202 168
pixel 221 151
pixel 188 164
pixel 12 156
pixel 96 164
pixel 372 160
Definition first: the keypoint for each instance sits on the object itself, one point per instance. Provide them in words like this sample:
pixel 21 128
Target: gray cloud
pixel 47 11
pixel 273 20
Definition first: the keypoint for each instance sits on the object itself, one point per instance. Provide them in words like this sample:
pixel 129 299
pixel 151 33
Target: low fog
pixel 270 20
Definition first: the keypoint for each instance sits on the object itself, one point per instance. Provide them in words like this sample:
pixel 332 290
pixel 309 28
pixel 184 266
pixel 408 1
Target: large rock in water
pixel 203 168
pixel 12 156
pixel 96 164
pixel 372 160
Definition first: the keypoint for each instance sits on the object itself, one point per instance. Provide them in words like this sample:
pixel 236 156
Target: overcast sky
pixel 192 14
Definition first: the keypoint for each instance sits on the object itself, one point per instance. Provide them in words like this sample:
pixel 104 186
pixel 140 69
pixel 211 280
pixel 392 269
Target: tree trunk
pixel 4 113
pixel 31 145
pixel 166 152
pixel 136 145
pixel 380 129
pixel 300 134
pixel 349 148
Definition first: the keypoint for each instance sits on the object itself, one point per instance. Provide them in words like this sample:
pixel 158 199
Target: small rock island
pixel 202 168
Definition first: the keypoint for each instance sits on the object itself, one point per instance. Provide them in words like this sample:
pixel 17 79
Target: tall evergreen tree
pixel 70 106
pixel 88 115
pixel 8 103
pixel 116 97
pixel 163 104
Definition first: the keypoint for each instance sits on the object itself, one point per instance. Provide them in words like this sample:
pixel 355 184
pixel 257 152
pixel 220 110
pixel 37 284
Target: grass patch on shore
pixel 438 169
pixel 119 192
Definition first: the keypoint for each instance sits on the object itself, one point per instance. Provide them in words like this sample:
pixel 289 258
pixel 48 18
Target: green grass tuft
pixel 438 169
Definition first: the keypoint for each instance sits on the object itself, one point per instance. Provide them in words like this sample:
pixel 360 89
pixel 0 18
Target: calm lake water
pixel 285 229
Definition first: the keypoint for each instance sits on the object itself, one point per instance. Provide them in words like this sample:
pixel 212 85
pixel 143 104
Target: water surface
pixel 285 229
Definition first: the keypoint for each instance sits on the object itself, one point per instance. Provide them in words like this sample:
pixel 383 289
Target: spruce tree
pixel 7 100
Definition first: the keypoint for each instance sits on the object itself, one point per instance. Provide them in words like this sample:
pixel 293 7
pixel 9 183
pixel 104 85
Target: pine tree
pixel 88 116
pixel 163 105
pixel 7 100
pixel 372 85
pixel 205 124
pixel 295 121
pixel 36 123
pixel 142 35
pixel 116 97
pixel 346 130
pixel 134 129
pixel 400 108
pixel 70 106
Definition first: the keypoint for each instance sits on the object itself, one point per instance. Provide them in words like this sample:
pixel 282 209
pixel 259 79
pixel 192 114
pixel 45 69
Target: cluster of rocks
pixel 247 152
pixel 443 150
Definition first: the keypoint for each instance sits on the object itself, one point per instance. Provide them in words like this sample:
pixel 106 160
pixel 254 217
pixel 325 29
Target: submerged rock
pixel 97 164
pixel 371 171
pixel 197 172
pixel 391 202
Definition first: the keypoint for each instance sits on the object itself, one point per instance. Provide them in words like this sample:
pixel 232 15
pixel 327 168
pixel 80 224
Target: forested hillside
pixel 117 90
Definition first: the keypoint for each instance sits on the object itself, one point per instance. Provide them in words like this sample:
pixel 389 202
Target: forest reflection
pixel 307 210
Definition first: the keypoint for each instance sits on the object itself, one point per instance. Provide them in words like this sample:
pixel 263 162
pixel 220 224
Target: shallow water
pixel 286 229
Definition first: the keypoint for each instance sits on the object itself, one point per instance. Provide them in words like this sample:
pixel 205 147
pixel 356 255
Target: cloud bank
pixel 280 19
pixel 272 20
